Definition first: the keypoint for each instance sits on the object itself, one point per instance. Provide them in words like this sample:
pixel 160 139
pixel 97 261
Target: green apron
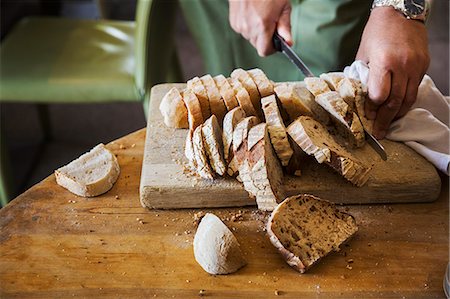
pixel 326 36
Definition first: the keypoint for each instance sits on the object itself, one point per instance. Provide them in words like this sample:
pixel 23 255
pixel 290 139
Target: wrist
pixel 411 9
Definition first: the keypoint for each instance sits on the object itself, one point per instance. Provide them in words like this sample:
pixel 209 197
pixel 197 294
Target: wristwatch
pixel 412 9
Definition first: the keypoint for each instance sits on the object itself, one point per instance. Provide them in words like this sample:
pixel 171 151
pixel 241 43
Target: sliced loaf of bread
pixel 305 229
pixel 92 174
pixel 242 97
pixel 314 139
pixel 316 85
pixel 277 130
pixel 204 169
pixel 215 99
pixel 226 91
pixel 239 143
pixel 174 110
pixel 197 87
pixel 195 117
pixel 261 172
pixel 231 119
pixel 248 83
pixel 332 79
pixel 264 85
pixel 212 138
pixel 345 120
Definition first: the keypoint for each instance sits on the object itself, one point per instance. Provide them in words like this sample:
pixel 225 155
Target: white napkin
pixel 425 128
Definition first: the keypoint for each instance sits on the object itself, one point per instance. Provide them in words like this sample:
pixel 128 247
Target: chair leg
pixel 5 173
pixel 44 119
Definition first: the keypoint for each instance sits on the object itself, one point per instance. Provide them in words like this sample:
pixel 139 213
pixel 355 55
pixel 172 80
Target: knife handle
pixel 277 40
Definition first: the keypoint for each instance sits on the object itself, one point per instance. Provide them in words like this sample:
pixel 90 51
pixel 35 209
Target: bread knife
pixel 281 46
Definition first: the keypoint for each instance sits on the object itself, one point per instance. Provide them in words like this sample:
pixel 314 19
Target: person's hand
pixel 257 20
pixel 396 50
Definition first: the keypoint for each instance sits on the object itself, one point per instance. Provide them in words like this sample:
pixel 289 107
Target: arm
pixel 257 20
pixel 396 50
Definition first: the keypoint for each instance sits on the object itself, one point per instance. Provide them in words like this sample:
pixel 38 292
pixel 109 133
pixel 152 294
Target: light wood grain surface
pixel 54 244
pixel 405 177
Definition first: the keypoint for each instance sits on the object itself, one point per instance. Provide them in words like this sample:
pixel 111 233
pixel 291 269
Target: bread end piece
pixel 174 110
pixel 92 174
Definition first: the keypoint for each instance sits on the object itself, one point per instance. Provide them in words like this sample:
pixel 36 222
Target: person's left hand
pixel 396 50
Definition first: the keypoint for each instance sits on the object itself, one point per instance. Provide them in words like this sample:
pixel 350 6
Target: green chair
pixel 46 60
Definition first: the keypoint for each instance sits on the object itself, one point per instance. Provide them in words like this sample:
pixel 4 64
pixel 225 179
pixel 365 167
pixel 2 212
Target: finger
pixel 263 41
pixel 284 25
pixel 410 98
pixel 389 109
pixel 379 88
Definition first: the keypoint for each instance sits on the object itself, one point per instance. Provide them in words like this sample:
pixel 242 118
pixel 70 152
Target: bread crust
pixel 226 91
pixel 232 118
pixel 212 138
pixel 264 85
pixel 243 97
pixel 332 79
pixel 316 85
pixel 201 158
pixel 197 87
pixel 215 99
pixel 195 117
pixel 248 83
pixel 174 110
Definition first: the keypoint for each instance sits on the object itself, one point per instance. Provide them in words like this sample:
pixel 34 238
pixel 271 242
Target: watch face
pixel 414 7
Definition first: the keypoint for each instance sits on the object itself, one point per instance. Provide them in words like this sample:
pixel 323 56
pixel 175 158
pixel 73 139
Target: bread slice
pixel 346 121
pixel 297 100
pixel 195 117
pixel 242 97
pixel 216 249
pixel 226 91
pixel 231 119
pixel 316 85
pixel 315 140
pixel 204 170
pixel 355 95
pixel 174 110
pixel 305 228
pixel 189 151
pixel 197 87
pixel 239 143
pixel 250 86
pixel 277 130
pixel 212 138
pixel 261 172
pixel 215 99
pixel 332 79
pixel 92 174
pixel 264 85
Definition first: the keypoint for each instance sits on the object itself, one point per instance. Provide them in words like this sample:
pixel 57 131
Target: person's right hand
pixel 257 20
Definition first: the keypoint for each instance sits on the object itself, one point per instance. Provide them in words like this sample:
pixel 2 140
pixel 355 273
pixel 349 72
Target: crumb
pixel 277 293
pixel 237 217
pixel 117 197
pixel 133 145
pixel 187 232
pixel 202 292
pixel 342 276
pixel 350 261
pixel 187 280
pixel 298 172
pixel 121 146
pixel 138 219
pixel 349 267
pixel 198 217
pixel 165 225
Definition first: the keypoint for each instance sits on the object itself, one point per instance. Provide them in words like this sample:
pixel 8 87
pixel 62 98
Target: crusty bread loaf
pixel 216 249
pixel 92 174
pixel 264 85
pixel 242 97
pixel 215 99
pixel 355 95
pixel 197 87
pixel 315 140
pixel 346 121
pixel 316 85
pixel 226 91
pixel 277 130
pixel 250 86
pixel 296 99
pixel 332 79
pixel 239 143
pixel 195 117
pixel 261 171
pixel 201 159
pixel 174 110
pixel 305 229
pixel 231 119
pixel 212 138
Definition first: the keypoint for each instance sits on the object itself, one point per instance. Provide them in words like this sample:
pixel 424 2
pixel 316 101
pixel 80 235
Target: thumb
pixel 284 25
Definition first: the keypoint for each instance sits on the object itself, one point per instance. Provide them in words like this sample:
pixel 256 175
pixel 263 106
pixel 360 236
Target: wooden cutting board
pixel 404 177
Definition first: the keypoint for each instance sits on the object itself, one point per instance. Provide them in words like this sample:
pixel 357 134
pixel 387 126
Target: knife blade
pixel 281 46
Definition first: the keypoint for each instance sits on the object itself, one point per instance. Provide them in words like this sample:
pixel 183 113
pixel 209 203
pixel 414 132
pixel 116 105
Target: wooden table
pixel 55 244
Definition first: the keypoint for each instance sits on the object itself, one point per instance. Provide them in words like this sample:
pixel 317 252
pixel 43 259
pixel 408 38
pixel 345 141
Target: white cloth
pixel 425 128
